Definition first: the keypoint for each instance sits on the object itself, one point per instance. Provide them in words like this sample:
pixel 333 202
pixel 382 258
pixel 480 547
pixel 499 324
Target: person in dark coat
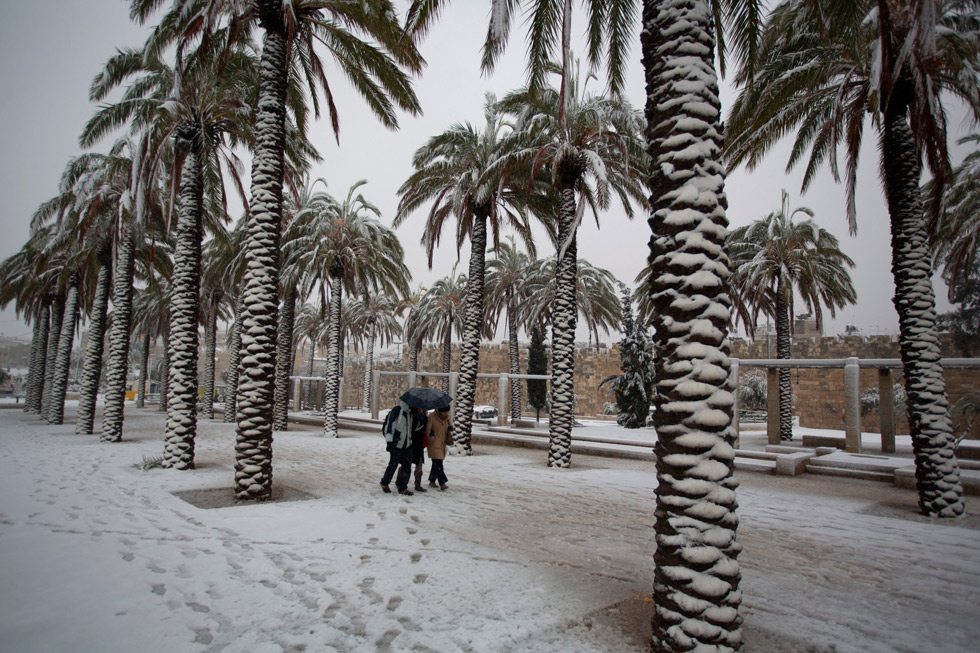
pixel 419 422
pixel 397 430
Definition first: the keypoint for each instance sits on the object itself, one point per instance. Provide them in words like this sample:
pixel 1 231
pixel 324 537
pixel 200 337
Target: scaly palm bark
pixel 284 359
pixel 783 351
pixel 331 388
pixel 185 306
pixel 514 354
pixel 144 371
pixel 56 412
pixel 696 582
pixel 936 469
pixel 561 414
pixel 234 361
pixel 35 383
pixel 92 368
pixel 210 345
pixel 51 355
pixel 165 371
pixel 122 315
pixel 447 356
pixel 368 364
pixel 469 351
pixel 256 387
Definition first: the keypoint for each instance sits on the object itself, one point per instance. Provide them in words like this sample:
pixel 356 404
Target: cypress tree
pixel 537 363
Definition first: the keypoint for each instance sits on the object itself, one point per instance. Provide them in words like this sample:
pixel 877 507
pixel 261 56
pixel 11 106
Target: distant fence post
pixel 297 394
pixel 412 376
pixel 453 382
pixel 852 405
pixel 772 405
pixel 886 409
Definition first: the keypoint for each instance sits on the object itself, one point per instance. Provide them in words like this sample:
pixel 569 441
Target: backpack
pixel 388 427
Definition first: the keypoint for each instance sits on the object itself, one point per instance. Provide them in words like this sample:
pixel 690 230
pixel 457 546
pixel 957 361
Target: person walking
pixel 439 434
pixel 397 431
pixel 419 423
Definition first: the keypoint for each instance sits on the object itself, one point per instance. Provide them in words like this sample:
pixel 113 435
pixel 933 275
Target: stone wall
pixel 819 394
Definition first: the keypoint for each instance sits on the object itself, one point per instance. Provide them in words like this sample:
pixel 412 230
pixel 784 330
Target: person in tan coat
pixel 439 434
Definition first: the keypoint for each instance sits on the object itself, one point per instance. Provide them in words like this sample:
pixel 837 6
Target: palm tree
pixel 311 325
pixel 467 173
pixel 825 69
pixel 439 314
pixel 291 28
pixel 773 259
pixel 592 147
pixel 507 289
pixel 356 251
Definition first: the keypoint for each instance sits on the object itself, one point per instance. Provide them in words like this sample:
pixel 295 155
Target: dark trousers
pixel 398 457
pixel 437 474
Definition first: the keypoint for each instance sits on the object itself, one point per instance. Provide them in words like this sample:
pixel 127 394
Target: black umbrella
pixel 426 398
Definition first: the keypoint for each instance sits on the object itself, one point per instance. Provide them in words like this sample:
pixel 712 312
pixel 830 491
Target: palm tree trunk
pixel 54 337
pixel 696 593
pixel 122 313
pixel 447 353
pixel 256 384
pixel 185 310
pixel 56 412
pixel 92 369
pixel 308 394
pixel 368 366
pixel 937 472
pixel 562 413
pixel 165 371
pixel 515 360
pixel 144 369
pixel 413 356
pixel 331 387
pixel 469 352
pixel 39 354
pixel 210 345
pixel 284 359
pixel 783 352
pixel 234 361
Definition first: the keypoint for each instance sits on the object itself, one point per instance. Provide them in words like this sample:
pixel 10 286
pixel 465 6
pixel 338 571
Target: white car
pixel 484 412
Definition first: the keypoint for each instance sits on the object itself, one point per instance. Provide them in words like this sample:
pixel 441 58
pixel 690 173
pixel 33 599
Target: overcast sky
pixel 51 49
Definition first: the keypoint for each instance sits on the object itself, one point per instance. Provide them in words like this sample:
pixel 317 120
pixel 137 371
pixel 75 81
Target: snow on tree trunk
pixel 122 313
pixel 185 309
pixel 564 316
pixel 369 365
pixel 696 581
pixel 234 361
pixel 515 359
pixel 54 337
pixel 284 359
pixel 936 469
pixel 56 413
pixel 210 345
pixel 447 353
pixel 92 367
pixel 256 382
pixel 331 386
pixel 144 365
pixel 165 370
pixel 469 354
pixel 783 352
pixel 39 352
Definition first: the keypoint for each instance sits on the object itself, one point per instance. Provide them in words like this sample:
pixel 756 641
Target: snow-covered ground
pixel 97 555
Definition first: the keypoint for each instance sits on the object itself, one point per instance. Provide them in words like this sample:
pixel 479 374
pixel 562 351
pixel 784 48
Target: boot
pixel 418 481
